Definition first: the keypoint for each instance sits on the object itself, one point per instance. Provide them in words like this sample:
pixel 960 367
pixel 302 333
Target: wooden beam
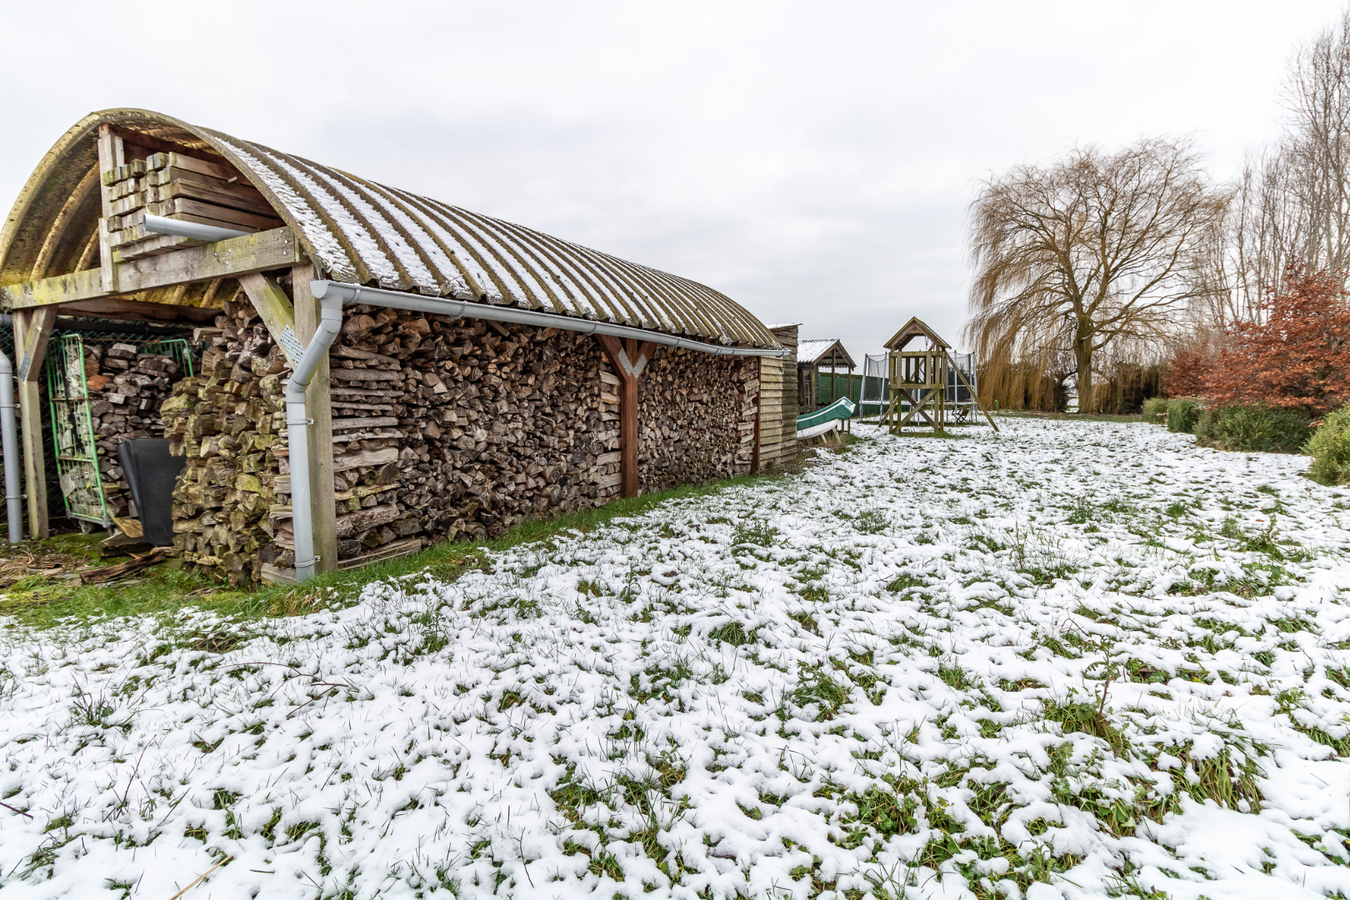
pixel 157 145
pixel 111 154
pixel 628 358
pixel 32 330
pixel 273 249
pixel 323 494
pixel 275 309
pixel 136 310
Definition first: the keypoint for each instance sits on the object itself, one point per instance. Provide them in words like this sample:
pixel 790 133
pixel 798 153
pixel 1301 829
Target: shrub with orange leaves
pixel 1188 374
pixel 1298 357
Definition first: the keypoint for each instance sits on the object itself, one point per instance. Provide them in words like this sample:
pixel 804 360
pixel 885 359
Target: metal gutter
pixel 464 309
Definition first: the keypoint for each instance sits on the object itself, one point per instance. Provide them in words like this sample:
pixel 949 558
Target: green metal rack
pixel 73 437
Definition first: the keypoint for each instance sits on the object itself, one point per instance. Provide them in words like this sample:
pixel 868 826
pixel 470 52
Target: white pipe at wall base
pixel 297 434
pixel 9 437
pixel 445 306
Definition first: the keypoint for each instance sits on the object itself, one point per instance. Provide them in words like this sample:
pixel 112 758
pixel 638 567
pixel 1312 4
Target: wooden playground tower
pixel 919 378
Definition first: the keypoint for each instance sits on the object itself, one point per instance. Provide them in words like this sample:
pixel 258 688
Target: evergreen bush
pixel 1255 428
pixel 1329 448
pixel 1155 410
pixel 1181 415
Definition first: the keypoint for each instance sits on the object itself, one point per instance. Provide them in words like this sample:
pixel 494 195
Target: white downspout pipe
pixel 193 230
pixel 9 436
pixel 297 433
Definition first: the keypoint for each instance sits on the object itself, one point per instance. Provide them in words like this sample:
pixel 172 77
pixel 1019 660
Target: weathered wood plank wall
pixel 778 412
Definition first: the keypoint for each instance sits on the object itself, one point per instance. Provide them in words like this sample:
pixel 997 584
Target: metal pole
pixel 9 435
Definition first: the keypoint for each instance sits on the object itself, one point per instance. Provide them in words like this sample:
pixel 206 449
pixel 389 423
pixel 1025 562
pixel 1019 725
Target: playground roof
pixel 366 233
pixel 812 351
pixel 915 327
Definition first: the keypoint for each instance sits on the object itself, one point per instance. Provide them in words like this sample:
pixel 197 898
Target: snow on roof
pixel 362 232
pixel 812 350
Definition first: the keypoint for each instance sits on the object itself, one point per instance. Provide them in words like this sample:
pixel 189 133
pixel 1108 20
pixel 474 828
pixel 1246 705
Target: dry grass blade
pixel 201 878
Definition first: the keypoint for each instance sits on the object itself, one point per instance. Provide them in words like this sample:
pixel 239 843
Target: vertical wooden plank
pixel 111 154
pixel 628 434
pixel 320 406
pixel 32 330
pixel 759 411
pixel 628 358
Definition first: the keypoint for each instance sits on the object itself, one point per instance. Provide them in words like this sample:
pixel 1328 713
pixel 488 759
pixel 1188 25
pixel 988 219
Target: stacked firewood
pixel 227 421
pixel 126 390
pixel 181 187
pixel 696 418
pixel 441 429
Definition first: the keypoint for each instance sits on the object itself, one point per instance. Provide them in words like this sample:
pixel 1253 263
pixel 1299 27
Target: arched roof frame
pixel 364 233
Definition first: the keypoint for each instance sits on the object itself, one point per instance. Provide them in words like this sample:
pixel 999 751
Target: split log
pixel 122 570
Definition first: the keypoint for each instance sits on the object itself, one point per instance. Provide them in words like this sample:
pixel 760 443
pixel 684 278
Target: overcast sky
pixel 812 160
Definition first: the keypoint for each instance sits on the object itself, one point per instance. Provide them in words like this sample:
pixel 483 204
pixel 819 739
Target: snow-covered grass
pixel 1076 659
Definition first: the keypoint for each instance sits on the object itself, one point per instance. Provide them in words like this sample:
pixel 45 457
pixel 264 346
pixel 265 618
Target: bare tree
pixel 1293 202
pixel 1096 250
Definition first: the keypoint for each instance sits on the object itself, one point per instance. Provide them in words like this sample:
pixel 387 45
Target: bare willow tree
pixel 1094 251
pixel 1294 198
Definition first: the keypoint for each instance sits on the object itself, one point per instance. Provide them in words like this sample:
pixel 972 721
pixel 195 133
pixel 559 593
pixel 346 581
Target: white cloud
pixel 814 161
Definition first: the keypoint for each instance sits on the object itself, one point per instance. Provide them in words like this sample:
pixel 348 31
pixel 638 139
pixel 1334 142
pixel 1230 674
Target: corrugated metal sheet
pixel 367 233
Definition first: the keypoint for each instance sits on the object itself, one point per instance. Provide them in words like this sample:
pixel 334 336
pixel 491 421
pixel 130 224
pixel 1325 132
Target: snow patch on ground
pixel 1070 660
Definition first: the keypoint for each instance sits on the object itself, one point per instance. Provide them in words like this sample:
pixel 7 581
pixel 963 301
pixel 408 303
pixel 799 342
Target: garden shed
pixel 351 371
pixel 815 355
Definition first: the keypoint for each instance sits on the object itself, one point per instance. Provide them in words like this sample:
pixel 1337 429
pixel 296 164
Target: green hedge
pixel 1182 415
pixel 1155 411
pixel 1330 449
pixel 1263 429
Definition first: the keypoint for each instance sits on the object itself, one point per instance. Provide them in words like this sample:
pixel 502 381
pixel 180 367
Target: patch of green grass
pixel 904 582
pixel 733 633
pixel 954 677
pixel 1087 718
pixel 755 532
pixel 165 589
pixel 872 521
pixel 819 689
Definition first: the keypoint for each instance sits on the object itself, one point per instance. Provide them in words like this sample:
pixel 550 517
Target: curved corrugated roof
pixel 366 233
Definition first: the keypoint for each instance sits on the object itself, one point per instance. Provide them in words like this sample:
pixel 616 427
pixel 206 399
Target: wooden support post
pixel 629 358
pixel 111 154
pixel 759 411
pixel 834 375
pixel 32 330
pixel 319 403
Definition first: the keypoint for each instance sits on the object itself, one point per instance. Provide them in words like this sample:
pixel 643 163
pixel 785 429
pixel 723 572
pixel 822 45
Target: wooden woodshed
pixel 446 374
pixel 813 356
